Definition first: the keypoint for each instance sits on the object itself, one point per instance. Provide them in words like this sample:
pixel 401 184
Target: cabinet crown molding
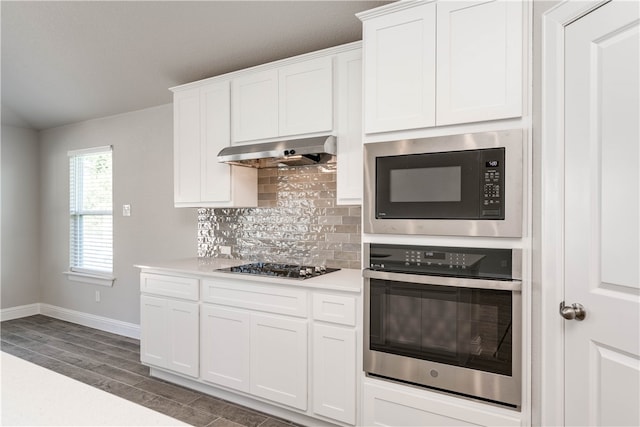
pixel 334 50
pixel 391 8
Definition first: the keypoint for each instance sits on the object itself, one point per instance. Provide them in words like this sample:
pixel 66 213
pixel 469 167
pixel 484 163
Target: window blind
pixel 91 211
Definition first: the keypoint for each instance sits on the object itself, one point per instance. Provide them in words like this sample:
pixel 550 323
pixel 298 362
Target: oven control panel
pixel 441 259
pixel 438 260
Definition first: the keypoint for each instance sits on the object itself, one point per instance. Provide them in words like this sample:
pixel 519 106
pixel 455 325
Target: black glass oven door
pixel 464 327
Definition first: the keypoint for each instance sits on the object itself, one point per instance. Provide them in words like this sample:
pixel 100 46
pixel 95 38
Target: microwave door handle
pixel 458 282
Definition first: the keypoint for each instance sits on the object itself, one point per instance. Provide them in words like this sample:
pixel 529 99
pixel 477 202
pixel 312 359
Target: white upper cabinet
pixel 306 97
pixel 349 128
pixel 442 63
pixel 186 146
pixel 201 129
pixel 479 61
pixel 293 99
pixel 215 176
pixel 255 106
pixel 399 69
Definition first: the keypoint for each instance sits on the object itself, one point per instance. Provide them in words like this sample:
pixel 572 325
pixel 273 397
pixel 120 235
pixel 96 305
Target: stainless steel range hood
pixel 294 152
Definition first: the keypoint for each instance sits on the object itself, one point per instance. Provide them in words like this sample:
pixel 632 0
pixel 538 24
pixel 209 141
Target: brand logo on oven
pixel 382 214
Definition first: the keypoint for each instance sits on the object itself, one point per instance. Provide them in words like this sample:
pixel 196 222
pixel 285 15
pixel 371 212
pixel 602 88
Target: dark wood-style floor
pixel 112 363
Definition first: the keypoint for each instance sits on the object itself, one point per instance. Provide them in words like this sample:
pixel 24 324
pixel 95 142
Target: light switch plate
pixel 126 210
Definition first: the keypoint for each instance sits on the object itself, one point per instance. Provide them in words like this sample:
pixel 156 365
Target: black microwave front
pixel 459 185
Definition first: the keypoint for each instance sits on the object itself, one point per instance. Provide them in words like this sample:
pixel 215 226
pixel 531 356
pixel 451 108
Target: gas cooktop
pixel 291 271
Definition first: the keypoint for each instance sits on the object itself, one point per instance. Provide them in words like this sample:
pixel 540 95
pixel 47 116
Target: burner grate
pixel 292 271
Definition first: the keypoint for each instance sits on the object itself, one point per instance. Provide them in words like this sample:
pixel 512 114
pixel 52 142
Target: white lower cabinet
pixel 225 336
pixel 153 338
pixel 279 359
pixel 390 404
pixel 261 354
pixel 169 334
pixel 334 372
pixel 289 346
pixel 334 355
pixel 255 338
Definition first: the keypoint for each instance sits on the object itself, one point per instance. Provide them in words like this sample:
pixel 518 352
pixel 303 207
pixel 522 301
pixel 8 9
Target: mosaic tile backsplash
pixel 297 221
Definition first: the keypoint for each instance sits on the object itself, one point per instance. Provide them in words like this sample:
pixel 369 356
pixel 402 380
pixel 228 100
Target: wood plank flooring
pixel 112 363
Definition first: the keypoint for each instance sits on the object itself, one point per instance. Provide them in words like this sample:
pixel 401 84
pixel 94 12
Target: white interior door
pixel 602 216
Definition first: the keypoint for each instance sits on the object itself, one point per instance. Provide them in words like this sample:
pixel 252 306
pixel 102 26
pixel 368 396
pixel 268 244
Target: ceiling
pixel 68 61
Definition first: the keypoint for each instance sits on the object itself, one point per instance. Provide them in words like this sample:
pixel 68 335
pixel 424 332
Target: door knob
pixel 574 311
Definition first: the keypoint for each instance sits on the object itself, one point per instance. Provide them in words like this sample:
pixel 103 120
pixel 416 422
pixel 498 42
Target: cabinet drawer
pixel 170 286
pixel 334 308
pixel 268 298
pixel 385 403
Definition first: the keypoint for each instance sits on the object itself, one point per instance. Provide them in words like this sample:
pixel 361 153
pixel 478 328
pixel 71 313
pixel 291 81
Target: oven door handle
pixel 458 282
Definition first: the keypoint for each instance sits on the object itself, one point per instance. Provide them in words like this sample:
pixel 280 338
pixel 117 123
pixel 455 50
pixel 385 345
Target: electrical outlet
pixel 225 250
pixel 97 296
pixel 126 210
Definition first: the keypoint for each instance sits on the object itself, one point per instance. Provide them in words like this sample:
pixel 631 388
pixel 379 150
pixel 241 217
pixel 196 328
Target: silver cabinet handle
pixel 574 311
pixel 458 282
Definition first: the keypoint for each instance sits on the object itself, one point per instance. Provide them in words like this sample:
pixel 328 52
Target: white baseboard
pixel 20 311
pixel 91 320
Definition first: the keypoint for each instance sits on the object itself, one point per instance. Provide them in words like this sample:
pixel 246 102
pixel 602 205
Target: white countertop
pixel 346 279
pixel 35 396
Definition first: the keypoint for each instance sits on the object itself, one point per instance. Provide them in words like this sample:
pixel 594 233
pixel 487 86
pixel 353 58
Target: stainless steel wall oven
pixel 458 185
pixel 448 318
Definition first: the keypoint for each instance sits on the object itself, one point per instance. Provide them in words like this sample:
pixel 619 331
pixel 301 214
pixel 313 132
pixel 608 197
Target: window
pixel 91 215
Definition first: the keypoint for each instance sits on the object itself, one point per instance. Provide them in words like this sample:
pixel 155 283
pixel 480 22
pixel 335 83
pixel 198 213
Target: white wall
pixel 539 8
pixel 143 177
pixel 20 217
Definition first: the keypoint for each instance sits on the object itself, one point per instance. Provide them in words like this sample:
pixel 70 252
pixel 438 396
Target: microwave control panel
pixel 492 179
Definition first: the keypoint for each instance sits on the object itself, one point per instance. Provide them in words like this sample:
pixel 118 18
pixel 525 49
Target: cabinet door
pixel 222 185
pixel 334 372
pixel 479 61
pixel 202 127
pixel 306 97
pixel 399 77
pixel 186 146
pixel 216 135
pixel 349 128
pixel 154 343
pixel 254 106
pixel 279 359
pixel 183 336
pixel 225 346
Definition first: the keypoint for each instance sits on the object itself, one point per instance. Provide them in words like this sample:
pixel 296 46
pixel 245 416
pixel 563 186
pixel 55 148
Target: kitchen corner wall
pixel 142 178
pixel 297 221
pixel 20 228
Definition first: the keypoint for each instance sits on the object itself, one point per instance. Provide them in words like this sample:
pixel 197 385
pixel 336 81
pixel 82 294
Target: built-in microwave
pixel 458 185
